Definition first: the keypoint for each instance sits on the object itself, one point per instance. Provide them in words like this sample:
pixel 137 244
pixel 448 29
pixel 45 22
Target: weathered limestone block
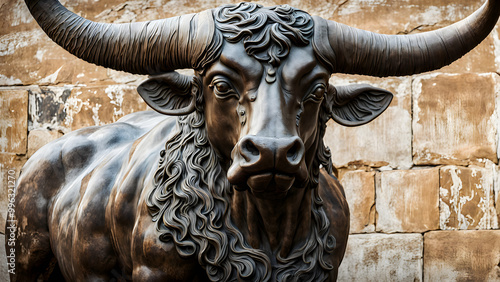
pixel 37 138
pixel 382 257
pixel 101 105
pixel 10 167
pixel 66 108
pixel 13 119
pixel 47 107
pixel 359 187
pixel 386 141
pixel 407 200
pixel 462 255
pixel 403 18
pixel 466 198
pixel 454 118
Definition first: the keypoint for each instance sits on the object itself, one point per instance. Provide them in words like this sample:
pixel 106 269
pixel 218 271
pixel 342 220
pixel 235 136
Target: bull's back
pixel 64 190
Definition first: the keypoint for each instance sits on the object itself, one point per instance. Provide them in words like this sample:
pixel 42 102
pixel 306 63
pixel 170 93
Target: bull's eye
pixel 317 94
pixel 222 89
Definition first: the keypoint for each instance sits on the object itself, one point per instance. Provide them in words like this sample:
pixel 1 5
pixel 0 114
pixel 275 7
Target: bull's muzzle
pixel 269 166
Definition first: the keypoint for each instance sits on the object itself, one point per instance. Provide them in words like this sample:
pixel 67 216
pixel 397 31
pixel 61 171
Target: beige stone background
pixel 422 180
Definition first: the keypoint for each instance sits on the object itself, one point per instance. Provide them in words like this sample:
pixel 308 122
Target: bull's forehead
pixel 300 62
pixel 235 57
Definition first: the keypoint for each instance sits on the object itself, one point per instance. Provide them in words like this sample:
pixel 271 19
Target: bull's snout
pixel 268 164
pixel 264 153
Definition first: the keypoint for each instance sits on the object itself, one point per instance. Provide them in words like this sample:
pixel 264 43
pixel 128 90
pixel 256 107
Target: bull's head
pixel 262 76
pixel 265 102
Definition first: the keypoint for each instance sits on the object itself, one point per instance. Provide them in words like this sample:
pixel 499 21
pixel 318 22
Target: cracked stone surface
pixel 382 257
pixel 466 198
pixel 359 187
pixel 462 255
pixel 455 118
pixel 408 200
pixel 68 108
pixel 13 120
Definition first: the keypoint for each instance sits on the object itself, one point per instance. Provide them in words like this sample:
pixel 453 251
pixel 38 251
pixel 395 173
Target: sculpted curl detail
pixel 267 32
pixel 190 201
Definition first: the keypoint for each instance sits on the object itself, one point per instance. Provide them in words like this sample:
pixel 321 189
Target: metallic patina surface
pixel 230 180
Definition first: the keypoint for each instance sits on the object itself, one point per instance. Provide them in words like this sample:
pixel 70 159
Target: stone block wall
pixel 422 180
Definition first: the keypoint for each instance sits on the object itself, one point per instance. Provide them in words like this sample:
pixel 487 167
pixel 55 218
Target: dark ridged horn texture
pixel 354 51
pixel 151 47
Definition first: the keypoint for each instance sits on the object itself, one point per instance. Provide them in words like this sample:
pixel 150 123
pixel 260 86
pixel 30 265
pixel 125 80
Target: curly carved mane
pixel 190 202
pixel 190 205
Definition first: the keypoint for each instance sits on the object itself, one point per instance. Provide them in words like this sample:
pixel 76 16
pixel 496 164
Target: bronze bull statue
pixel 239 185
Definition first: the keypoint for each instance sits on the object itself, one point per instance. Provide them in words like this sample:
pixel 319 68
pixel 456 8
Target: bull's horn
pixel 143 48
pixel 355 51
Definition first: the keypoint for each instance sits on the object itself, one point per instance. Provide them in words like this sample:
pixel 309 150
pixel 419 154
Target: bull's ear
pixel 357 104
pixel 169 93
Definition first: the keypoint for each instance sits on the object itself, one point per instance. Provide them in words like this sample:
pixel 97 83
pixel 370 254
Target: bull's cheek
pixel 303 175
pixel 311 141
pixel 221 139
pixel 308 125
pixel 223 134
pixel 222 128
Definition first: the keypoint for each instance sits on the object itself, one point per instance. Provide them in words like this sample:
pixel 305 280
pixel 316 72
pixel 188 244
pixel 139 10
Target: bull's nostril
pixel 293 152
pixel 253 154
pixel 250 147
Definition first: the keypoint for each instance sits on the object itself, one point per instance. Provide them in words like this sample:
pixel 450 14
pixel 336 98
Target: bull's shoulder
pixel 73 153
pixel 330 187
pixel 337 211
pixel 332 193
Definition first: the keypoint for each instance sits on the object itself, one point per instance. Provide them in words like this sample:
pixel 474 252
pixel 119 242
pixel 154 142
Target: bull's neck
pixel 273 224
